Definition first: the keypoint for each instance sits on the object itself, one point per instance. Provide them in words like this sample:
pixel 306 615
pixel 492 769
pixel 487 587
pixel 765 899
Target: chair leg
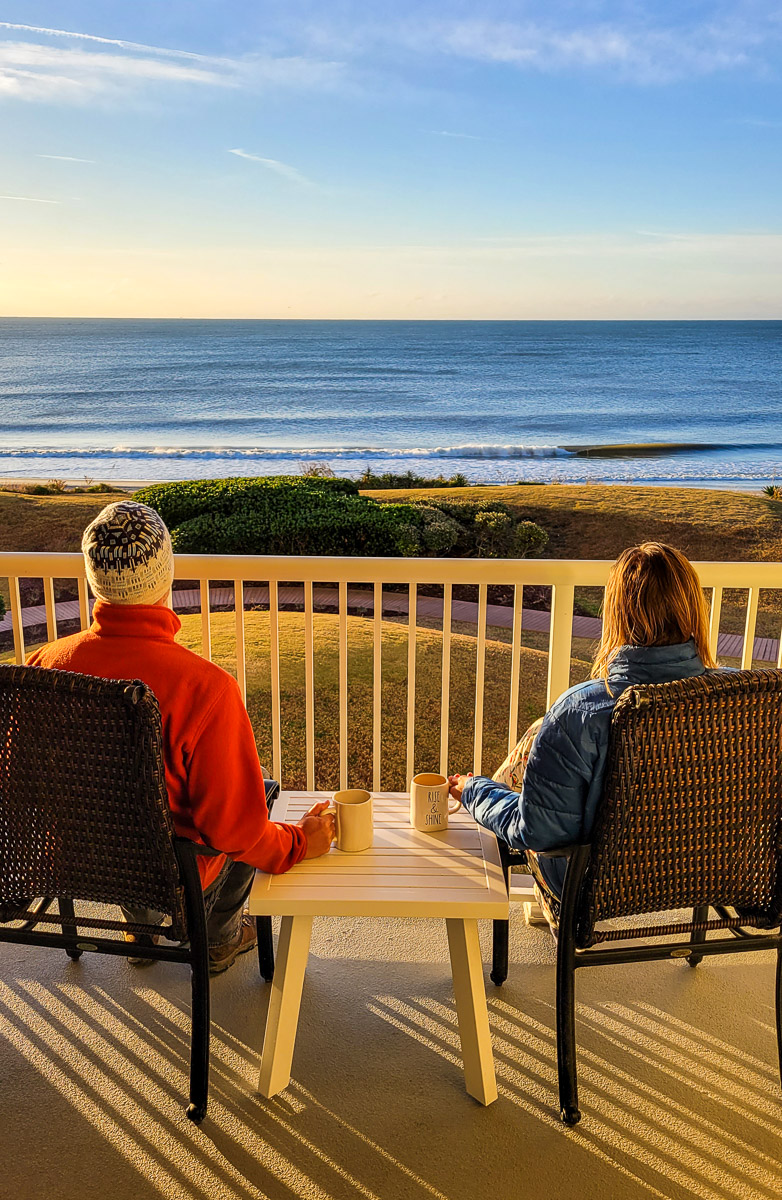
pixel 499 952
pixel 699 936
pixel 779 1009
pixel 499 932
pixel 70 931
pixel 566 1027
pixel 199 1045
pixel 265 947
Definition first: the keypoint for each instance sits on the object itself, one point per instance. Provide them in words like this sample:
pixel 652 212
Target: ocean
pixel 684 402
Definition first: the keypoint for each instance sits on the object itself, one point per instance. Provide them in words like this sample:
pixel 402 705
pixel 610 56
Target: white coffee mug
pixel 354 819
pixel 429 807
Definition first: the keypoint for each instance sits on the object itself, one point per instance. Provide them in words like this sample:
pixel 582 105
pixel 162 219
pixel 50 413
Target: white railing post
pixel 84 603
pixel 480 673
pixel 560 640
pixel 206 621
pixel 309 686
pixel 51 609
pixel 714 620
pixel 749 629
pixel 377 682
pixel 515 668
pixel 241 663
pixel 17 622
pixel 343 684
pixel 274 668
pixel 411 648
pixel 445 688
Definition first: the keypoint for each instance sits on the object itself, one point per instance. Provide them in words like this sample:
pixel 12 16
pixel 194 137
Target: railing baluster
pixel 480 674
pixel 714 620
pixel 309 686
pixel 560 639
pixel 445 695
pixel 274 664
pixel 377 683
pixel 411 647
pixel 241 662
pixel 16 620
pixel 51 610
pixel 515 667
pixel 343 685
pixel 206 621
pixel 749 629
pixel 84 603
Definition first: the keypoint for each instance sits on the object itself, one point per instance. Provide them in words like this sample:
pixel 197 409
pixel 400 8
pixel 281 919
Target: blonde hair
pixel 653 597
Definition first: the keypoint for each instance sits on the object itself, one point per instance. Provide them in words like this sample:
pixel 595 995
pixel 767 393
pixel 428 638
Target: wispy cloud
pixel 642 43
pixel 471 137
pixel 639 50
pixel 758 123
pixel 30 199
pixel 279 168
pixel 103 41
pixel 93 66
pixel 65 158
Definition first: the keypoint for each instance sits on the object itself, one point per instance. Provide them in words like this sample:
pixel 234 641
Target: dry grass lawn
pixel 394 695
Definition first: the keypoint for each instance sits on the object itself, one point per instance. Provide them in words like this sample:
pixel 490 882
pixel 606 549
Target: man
pixel 215 782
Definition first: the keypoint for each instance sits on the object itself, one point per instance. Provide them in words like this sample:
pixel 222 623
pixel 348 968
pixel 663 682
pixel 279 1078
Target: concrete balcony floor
pixel 679 1083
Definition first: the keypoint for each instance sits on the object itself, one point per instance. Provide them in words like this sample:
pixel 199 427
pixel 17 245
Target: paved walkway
pixel 730 645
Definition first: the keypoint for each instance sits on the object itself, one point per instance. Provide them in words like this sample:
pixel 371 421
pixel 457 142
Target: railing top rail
pixel 332 569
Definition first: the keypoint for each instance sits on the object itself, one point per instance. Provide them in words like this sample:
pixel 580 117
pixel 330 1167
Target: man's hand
pixel 456 784
pixel 319 829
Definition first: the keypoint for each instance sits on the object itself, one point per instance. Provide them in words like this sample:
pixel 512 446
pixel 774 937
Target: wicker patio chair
pixel 84 816
pixel 691 817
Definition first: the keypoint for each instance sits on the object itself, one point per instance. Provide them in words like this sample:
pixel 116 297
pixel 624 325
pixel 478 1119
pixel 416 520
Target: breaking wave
pixel 476 451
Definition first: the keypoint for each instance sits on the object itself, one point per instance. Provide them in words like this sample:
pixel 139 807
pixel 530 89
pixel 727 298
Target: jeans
pixel 224 902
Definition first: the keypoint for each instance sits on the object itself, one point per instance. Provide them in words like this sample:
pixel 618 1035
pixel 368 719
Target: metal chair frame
pixel 129 714
pixel 195 955
pixel 587 865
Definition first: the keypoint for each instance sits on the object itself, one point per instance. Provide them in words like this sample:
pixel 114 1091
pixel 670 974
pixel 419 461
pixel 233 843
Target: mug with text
pixel 429 803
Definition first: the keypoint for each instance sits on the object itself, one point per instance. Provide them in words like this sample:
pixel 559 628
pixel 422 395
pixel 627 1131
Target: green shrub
pixel 774 491
pixel 2 607
pixel 316 515
pixel 481 528
pixel 407 479
pixel 178 502
pixel 292 524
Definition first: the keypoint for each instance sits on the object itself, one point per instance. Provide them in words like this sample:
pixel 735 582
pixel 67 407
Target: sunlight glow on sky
pixel 346 158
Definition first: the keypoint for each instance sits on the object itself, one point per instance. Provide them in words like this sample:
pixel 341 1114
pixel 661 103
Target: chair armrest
pixel 197 847
pixel 561 851
pixel 272 789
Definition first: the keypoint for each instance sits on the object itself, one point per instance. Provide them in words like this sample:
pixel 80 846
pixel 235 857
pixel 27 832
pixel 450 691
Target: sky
pixel 367 159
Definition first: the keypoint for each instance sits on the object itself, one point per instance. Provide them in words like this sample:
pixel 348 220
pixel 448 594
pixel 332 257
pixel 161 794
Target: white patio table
pixel 454 875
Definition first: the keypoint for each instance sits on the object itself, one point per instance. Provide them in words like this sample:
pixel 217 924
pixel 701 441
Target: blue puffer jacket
pixel 563 781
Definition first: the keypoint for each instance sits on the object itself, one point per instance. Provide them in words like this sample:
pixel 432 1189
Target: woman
pixel 655 629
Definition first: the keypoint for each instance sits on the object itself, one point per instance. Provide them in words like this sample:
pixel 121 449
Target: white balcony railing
pixel 562 577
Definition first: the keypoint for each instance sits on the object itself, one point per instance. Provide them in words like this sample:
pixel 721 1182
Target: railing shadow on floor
pixel 675 1111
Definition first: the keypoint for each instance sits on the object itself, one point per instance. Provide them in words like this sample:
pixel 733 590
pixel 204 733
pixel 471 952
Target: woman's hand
pixel 456 784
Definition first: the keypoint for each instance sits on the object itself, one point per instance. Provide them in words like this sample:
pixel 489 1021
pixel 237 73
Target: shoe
pixel 141 940
pixel 222 957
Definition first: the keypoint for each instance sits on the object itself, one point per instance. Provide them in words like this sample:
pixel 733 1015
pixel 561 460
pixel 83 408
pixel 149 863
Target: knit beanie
pixel 127 554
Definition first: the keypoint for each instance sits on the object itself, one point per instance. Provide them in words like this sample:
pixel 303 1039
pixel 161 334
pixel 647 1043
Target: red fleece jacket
pixel 214 779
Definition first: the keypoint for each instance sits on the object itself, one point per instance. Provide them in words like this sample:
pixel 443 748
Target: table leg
pixel 470 993
pixel 293 948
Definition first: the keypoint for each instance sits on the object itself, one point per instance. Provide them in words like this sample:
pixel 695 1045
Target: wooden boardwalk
pixel 394 604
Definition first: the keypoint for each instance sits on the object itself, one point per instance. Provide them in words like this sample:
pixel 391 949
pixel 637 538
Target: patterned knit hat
pixel 127 553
